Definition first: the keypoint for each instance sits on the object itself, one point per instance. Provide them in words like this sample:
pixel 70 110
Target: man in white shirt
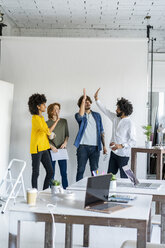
pixel 123 134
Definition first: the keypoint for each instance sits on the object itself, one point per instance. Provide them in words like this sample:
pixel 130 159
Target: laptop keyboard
pixel 119 184
pixel 144 185
pixel 140 185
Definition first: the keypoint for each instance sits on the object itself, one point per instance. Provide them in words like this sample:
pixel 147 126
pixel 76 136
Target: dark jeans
pixel 117 162
pixel 85 152
pixel 63 168
pixel 43 157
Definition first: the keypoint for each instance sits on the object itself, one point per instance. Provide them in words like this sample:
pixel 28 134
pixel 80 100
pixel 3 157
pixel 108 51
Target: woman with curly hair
pixel 39 144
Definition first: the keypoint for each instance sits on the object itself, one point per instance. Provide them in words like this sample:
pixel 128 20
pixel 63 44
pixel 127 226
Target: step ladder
pixel 12 182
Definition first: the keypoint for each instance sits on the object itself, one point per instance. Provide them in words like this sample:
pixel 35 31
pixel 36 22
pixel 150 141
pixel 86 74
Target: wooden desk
pixel 159 161
pixel 158 197
pixel 72 212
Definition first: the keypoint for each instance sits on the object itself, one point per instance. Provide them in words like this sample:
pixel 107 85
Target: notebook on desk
pixel 97 192
pixel 136 182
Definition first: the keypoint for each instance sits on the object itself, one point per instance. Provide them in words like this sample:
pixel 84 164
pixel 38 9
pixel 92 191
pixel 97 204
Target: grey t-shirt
pixel 61 131
pixel 90 134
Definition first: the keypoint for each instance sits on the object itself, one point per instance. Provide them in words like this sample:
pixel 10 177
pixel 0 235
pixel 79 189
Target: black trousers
pixel 43 157
pixel 117 162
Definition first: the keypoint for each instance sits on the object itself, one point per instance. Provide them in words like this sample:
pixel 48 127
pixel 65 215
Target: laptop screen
pixel 130 175
pixel 97 189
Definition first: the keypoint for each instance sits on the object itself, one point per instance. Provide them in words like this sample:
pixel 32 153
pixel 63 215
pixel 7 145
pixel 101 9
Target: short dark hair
pixel 125 106
pixel 81 98
pixel 34 101
pixel 50 109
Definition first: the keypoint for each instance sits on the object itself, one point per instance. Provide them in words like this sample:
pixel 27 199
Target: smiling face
pixel 56 110
pixel 87 105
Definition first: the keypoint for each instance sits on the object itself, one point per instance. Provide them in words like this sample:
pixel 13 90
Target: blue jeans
pixel 85 152
pixel 117 162
pixel 63 168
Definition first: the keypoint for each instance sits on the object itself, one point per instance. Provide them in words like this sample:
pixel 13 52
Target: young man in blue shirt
pixel 89 137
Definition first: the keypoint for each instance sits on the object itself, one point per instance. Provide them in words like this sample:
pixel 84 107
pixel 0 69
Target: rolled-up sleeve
pixel 78 117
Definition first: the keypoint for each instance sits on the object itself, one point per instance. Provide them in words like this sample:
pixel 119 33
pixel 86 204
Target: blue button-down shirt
pixel 82 121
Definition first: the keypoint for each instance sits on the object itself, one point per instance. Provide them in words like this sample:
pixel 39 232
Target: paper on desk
pixel 60 155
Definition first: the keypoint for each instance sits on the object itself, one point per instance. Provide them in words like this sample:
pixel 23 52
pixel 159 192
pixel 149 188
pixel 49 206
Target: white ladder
pixel 12 185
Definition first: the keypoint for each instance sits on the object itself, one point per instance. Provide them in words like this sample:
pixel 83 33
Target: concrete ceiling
pixel 90 18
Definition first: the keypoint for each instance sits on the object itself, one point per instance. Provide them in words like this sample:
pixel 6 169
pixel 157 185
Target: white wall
pixel 6 103
pixel 60 68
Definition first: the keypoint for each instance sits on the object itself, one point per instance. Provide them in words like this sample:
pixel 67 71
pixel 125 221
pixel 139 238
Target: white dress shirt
pixel 123 131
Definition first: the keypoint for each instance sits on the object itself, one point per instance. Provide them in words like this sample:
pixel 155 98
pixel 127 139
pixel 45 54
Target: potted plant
pixel 148 132
pixel 113 182
pixel 55 186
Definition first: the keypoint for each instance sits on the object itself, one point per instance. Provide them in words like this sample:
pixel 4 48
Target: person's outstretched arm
pixel 107 112
pixel 82 106
pixel 53 126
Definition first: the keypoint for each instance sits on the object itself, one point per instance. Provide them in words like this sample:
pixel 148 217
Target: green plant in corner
pixel 147 131
pixel 55 183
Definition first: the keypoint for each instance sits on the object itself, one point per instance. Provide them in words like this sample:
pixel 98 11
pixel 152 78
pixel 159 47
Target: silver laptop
pixel 136 182
pixel 97 192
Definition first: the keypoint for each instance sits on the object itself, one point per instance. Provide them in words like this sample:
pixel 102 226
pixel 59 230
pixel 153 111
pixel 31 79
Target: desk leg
pixel 149 229
pixel 14 233
pixel 159 164
pixel 48 235
pixel 133 161
pixel 68 236
pixel 159 168
pixel 86 236
pixel 142 237
pixel 162 223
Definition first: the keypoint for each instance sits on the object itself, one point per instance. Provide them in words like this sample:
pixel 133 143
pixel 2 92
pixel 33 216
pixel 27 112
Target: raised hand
pixel 84 93
pixel 96 95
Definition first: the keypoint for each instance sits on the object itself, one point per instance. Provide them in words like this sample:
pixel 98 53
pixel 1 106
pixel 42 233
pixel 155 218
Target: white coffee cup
pixel 52 136
pixel 31 196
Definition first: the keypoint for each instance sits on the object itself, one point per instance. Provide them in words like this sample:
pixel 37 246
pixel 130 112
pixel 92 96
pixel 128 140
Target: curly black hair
pixel 34 100
pixel 125 106
pixel 81 98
